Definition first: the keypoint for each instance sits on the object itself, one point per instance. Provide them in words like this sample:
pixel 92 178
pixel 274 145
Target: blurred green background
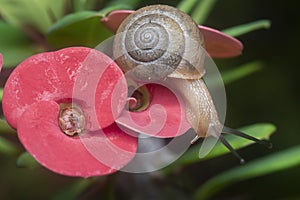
pixel 269 95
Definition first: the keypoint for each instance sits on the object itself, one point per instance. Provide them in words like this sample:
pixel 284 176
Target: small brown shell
pixel 160 41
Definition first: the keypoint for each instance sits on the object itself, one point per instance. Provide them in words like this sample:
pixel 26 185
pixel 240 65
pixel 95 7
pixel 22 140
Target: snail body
pixel 161 43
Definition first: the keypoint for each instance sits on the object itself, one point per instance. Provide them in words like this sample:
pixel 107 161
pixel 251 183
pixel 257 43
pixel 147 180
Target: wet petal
pixel 217 44
pixel 67 75
pixel 39 132
pixel 164 118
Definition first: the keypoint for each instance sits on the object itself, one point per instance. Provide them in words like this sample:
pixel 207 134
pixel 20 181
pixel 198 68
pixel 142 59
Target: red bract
pixel 32 101
pixel 39 132
pixel 164 117
pixel 52 76
pixel 217 44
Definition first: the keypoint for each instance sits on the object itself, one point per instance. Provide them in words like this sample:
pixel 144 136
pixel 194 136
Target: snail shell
pixel 160 41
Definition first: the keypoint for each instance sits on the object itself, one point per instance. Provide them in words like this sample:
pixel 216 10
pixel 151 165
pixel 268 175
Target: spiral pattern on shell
pixel 159 41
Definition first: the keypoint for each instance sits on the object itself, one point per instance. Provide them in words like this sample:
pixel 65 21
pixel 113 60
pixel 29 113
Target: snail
pixel 162 43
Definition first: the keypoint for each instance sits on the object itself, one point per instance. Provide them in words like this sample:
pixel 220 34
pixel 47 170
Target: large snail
pixel 162 43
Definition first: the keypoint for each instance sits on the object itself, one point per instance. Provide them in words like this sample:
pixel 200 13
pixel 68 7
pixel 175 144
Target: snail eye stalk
pixel 243 135
pixel 230 148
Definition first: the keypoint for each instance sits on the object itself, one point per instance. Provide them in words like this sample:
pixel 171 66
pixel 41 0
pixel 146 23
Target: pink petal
pixel 217 44
pixel 39 132
pixel 220 45
pixel 113 20
pixel 78 74
pixel 164 118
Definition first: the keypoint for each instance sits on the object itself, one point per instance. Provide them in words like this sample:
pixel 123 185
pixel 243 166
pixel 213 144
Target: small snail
pixel 153 43
pixel 162 43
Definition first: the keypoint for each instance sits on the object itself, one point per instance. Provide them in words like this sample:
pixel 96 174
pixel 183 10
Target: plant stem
pixel 202 10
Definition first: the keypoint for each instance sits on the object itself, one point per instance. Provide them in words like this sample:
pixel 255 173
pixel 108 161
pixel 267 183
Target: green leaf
pixel 78 29
pixel 260 131
pixel 73 191
pixel 14 45
pixel 81 5
pixel 241 71
pixel 202 10
pixel 246 28
pixel 8 148
pixel 25 160
pixel 33 13
pixel 273 163
pixel 5 128
pixel 187 5
pixel 119 5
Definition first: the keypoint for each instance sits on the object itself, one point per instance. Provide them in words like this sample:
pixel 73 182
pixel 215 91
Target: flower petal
pixel 164 118
pixel 220 45
pixel 217 44
pixel 64 75
pixel 39 132
pixel 113 20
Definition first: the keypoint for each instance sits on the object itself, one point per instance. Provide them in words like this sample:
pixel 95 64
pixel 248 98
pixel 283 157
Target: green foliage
pixel 260 131
pixel 270 164
pixel 246 28
pixel 119 5
pixel 25 160
pixel 74 190
pixel 36 14
pixel 8 148
pixel 5 128
pixel 78 29
pixel 202 10
pixel 241 71
pixel 187 5
pixel 14 45
pixel 81 5
pixel 82 27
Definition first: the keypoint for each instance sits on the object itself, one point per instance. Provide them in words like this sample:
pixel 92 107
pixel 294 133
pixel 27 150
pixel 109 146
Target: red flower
pixel 75 91
pixel 217 44
pixel 163 118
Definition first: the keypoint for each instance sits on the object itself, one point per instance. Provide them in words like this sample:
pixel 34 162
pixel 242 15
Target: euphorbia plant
pixel 82 110
pixel 49 100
